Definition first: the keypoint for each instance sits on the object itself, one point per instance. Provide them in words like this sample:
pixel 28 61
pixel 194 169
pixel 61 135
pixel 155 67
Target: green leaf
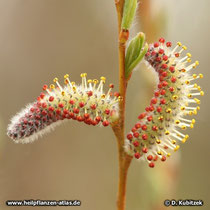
pixel 129 12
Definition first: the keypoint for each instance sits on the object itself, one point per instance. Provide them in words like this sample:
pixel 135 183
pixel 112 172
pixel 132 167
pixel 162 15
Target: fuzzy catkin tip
pixel 86 103
pixel 159 129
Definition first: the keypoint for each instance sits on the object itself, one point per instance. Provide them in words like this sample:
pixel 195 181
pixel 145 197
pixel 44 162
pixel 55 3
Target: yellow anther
pixel 158 141
pixel 202 93
pixel 198 108
pixel 194 76
pixel 184 140
pixel 189 55
pixel 190 113
pixel 90 81
pixel 85 74
pixel 186 136
pixel 197 100
pixel 195 112
pixel 201 76
pixel 195 85
pixel 160 153
pixel 177 121
pixel 193 121
pixel 103 79
pixel 74 88
pixel 189 95
pixel 82 75
pixel 173 142
pixel 196 63
pixel 183 70
pixel 199 88
pixel 66 76
pixel 174 97
pixel 168 110
pixel 179 43
pixel 73 83
pixel 182 108
pixel 184 47
pixel 168 154
pixel 183 127
pixel 167 132
pixel 95 81
pixel 187 82
pixel 120 98
pixel 63 93
pixel 188 60
pixel 52 86
pixel 66 81
pixel 176 148
pixel 191 125
pixel 160 118
pixel 103 96
pixel 55 79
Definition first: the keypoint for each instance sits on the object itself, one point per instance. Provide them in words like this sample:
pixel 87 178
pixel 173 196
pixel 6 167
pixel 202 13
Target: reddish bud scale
pixel 158 128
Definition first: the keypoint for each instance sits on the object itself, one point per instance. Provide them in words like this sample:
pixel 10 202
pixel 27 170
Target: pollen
pixel 176 93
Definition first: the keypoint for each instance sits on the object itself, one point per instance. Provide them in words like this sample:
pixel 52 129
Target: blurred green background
pixel 41 39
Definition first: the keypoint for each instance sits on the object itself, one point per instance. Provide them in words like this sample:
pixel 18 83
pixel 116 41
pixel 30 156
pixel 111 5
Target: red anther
pixel 151 108
pixel 149 118
pixel 158 59
pixel 144 127
pixel 137 155
pixel 133 129
pixel 147 54
pixel 37 110
pixel 38 117
pixel 25 121
pixel 136 134
pixel 44 87
pixel 76 110
pixel 137 125
pixel 38 98
pixel 93 106
pixel 161 51
pixel 159 85
pixel 32 109
pixel 165 147
pixel 142 115
pixel 164 83
pixel 164 74
pixel 71 114
pixel 172 69
pixel 116 94
pixel 37 122
pixel 161 40
pixel 147 109
pixel 162 92
pixel 149 157
pixel 44 105
pixel 42 95
pixel 60 105
pixel 71 102
pixel 154 100
pixel 162 101
pixel 130 136
pixel 111 85
pixel 151 165
pixel 86 115
pixel 58 111
pixel 163 158
pixel 144 150
pixel 39 104
pixel 51 98
pixel 171 89
pixel 80 118
pixel 164 66
pixel 156 44
pixel 154 128
pixel 153 53
pixel 173 79
pixel 111 93
pixel 157 93
pixel 165 57
pixel 144 137
pixel 98 118
pixel 93 122
pixel 44 113
pixel 90 93
pixel 105 123
pixel 168 44
pixel 161 78
pixel 81 104
pixel 65 111
pixel 136 143
pixel 50 115
pixel 51 109
pixel 44 119
pixel 155 158
pixel 176 54
pixel 107 111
